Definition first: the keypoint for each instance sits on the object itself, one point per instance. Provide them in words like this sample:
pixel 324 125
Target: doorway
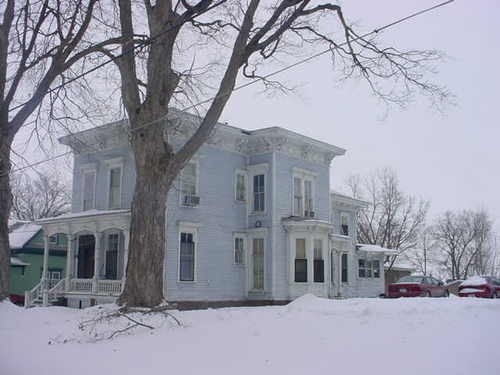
pixel 86 256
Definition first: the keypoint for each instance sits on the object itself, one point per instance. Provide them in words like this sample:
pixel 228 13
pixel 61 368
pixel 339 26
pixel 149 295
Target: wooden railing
pixel 57 290
pixel 109 287
pixel 81 285
pixel 30 296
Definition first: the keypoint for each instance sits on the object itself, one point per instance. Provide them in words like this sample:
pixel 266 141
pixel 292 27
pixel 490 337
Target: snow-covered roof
pixel 375 249
pixel 22 234
pixel 81 214
pixel 15 261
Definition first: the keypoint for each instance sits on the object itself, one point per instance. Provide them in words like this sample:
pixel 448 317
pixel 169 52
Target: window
pixel 344 269
pixel 115 177
pixel 303 201
pixel 297 197
pixel 88 190
pixel 239 250
pixel 54 274
pixel 186 258
pixel 240 193
pixel 319 264
pixel 300 261
pixel 258 193
pixel 368 268
pixel 111 272
pixel 189 189
pixel 258 263
pixel 344 224
pixel 53 239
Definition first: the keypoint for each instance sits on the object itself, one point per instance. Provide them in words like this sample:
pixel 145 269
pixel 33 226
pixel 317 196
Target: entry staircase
pixel 55 290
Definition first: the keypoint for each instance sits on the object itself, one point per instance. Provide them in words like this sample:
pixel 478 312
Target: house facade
pixel 26 261
pixel 251 219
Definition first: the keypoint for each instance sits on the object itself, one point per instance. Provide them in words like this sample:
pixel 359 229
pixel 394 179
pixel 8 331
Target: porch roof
pixel 15 261
pixel 79 215
pixel 369 248
pixel 294 222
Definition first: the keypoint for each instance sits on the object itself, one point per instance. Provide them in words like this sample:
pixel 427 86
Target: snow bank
pixel 356 336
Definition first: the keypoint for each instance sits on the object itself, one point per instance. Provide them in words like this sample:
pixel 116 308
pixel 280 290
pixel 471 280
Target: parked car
pixel 480 286
pixel 417 286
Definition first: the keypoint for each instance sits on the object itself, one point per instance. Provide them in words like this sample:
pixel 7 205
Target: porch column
pixel 69 262
pixel 126 239
pixel 97 260
pixel 45 290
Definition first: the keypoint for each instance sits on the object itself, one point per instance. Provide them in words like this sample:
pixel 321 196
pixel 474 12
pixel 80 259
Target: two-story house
pixel 251 219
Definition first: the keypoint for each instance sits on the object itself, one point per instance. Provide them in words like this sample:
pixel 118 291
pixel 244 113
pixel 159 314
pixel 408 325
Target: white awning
pixel 375 249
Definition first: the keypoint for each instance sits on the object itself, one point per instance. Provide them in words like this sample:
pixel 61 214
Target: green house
pixel 26 261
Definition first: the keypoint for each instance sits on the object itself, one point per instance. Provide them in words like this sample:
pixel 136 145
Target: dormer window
pixel 344 224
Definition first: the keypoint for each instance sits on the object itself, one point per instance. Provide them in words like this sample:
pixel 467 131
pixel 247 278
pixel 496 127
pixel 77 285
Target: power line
pixel 281 70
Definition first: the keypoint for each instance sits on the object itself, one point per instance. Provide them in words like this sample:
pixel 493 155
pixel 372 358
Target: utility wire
pixel 255 80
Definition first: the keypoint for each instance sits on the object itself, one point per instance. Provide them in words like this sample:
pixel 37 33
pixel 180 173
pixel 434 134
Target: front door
pixel 86 250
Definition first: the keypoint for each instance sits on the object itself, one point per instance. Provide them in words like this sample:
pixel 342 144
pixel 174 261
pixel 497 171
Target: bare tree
pixel 393 219
pixel 41 43
pixel 160 73
pixel 465 238
pixel 40 197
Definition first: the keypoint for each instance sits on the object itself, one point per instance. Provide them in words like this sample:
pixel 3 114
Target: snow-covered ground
pixel 421 336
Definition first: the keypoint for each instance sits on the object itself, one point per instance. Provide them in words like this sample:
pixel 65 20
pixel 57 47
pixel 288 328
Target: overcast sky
pixel 453 159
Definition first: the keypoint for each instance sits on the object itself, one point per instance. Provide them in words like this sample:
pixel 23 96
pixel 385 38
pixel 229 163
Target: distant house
pixel 26 260
pixel 251 219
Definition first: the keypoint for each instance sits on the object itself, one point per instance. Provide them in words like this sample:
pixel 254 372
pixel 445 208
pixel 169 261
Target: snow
pixel 22 234
pixel 470 290
pixel 474 281
pixel 357 336
pixel 76 215
pixel 15 261
pixel 375 249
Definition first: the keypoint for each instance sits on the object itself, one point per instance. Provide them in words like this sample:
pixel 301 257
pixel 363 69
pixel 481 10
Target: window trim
pixel 108 185
pixel 196 187
pixel 306 258
pixel 369 267
pixel 243 173
pixel 84 171
pixel 193 229
pixel 243 236
pixel 322 259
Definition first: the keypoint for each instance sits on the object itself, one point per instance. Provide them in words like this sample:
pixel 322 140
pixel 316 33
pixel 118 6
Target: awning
pixel 375 249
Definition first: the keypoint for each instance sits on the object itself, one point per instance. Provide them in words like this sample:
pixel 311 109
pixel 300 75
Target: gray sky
pixel 453 159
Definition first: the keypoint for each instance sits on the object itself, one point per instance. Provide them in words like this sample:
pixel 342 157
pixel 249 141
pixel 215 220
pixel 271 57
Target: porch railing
pixel 35 294
pixel 81 285
pixel 111 287
pixel 56 290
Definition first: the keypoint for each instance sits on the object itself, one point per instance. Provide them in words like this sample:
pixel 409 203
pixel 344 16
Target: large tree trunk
pixel 5 204
pixel 144 282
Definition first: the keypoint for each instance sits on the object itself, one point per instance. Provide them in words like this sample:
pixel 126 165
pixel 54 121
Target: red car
pixel 417 286
pixel 480 286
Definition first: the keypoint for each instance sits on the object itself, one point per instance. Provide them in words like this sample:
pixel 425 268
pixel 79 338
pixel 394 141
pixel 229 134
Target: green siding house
pixel 26 261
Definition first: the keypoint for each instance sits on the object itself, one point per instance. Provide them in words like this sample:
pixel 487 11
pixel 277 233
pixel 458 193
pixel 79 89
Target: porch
pixel 96 259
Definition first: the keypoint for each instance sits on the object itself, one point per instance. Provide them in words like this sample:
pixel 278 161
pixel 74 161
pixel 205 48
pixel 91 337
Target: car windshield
pixel 411 279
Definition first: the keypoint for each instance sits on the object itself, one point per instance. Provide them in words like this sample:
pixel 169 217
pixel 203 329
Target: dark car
pixel 480 286
pixel 417 286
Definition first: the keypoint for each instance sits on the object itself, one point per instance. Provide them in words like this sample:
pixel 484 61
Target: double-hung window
pixel 303 193
pixel 112 256
pixel 88 190
pixel 344 224
pixel 319 263
pixel 300 261
pixel 368 268
pixel 239 250
pixel 115 179
pixel 240 187
pixel 189 191
pixel 187 256
pixel 259 193
pixel 344 268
